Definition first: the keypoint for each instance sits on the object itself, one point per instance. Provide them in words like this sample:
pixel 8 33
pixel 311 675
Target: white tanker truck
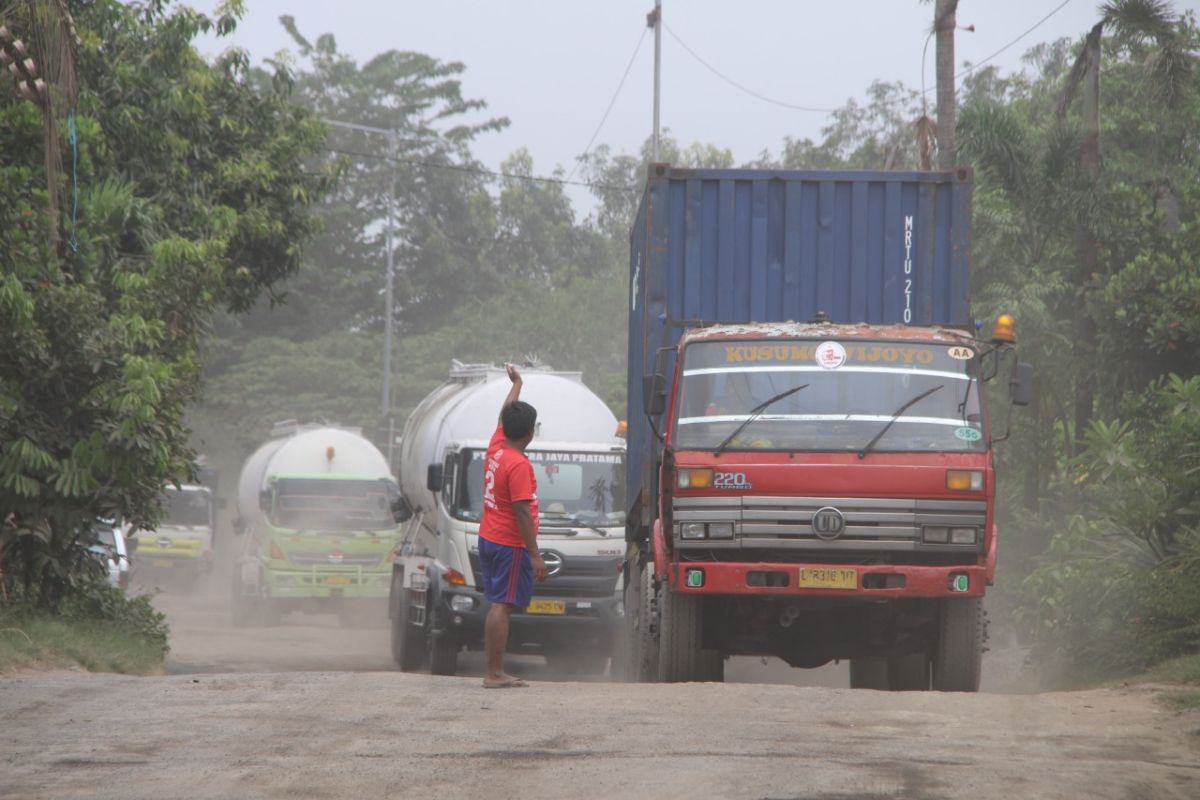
pixel 437 606
pixel 319 512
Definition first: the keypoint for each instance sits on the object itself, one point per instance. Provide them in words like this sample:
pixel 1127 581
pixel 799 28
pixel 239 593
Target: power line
pixel 611 103
pixel 1035 26
pixel 739 86
pixel 481 171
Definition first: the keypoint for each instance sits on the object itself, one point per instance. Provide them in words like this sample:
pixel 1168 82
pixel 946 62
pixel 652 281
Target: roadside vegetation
pixel 188 271
pixel 97 628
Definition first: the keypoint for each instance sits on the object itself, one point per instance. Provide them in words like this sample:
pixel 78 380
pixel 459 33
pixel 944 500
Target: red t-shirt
pixel 507 478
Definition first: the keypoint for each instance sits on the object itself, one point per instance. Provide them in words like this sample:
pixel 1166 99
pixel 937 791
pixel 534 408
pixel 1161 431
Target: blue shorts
pixel 507 573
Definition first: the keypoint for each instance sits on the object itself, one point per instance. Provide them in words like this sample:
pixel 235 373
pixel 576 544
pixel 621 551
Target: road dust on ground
pixel 311 710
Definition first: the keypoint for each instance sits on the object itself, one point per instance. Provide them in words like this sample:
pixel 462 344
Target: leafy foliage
pixel 203 209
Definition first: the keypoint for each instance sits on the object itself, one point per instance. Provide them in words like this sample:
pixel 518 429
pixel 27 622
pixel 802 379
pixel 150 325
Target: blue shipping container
pixel 717 246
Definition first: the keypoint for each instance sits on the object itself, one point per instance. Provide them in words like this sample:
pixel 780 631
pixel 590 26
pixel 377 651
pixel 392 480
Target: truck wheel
pixel 443 656
pixel 869 673
pixel 645 629
pixel 958 658
pixel 407 642
pixel 908 673
pixel 679 637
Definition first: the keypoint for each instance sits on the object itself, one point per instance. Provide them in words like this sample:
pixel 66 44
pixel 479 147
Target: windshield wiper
pixel 755 413
pixel 895 416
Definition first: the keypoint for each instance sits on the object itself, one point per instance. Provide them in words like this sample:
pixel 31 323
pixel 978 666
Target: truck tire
pixel 408 646
pixel 680 655
pixel 909 673
pixel 958 656
pixel 869 673
pixel 443 656
pixel 645 628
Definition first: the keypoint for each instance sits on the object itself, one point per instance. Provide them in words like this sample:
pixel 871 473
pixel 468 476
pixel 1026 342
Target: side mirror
pixel 131 544
pixel 433 478
pixel 654 397
pixel 401 510
pixel 1021 385
pixel 264 500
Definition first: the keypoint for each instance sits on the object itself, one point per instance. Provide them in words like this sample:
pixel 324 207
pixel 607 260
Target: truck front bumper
pixel 321 583
pixel 867 582
pixel 583 621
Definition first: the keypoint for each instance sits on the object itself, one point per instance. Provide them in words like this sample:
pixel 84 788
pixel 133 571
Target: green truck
pixel 318 515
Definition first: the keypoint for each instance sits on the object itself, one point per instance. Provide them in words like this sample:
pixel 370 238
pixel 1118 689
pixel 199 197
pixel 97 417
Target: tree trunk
pixel 1087 260
pixel 944 22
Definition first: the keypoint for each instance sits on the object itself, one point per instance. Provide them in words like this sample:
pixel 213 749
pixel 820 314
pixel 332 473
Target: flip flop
pixel 511 683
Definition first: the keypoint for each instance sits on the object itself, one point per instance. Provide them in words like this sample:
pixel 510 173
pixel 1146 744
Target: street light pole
pixel 389 293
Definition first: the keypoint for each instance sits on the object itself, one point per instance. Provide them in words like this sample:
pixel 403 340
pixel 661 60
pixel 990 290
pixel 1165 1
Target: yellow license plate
pixel 546 607
pixel 828 578
pixel 337 580
pixel 162 562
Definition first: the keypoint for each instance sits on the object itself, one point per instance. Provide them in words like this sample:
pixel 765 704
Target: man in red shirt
pixel 508 553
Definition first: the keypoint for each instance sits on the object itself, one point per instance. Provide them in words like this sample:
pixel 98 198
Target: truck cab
pixel 179 552
pixel 438 607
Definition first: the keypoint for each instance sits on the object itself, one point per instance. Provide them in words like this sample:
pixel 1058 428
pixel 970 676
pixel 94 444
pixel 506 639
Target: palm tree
pixel 944 22
pixel 38 45
pixel 1168 71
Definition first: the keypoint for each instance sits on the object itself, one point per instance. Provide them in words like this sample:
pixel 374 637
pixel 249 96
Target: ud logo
pixel 828 523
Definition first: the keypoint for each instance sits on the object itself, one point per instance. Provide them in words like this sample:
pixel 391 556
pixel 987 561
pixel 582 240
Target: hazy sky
pixel 552 66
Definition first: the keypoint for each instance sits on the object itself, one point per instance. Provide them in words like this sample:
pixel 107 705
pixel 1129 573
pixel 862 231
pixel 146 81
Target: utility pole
pixel 390 282
pixel 654 20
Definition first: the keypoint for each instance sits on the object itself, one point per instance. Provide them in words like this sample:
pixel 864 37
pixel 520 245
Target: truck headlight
pixel 691 530
pixel 462 603
pixel 720 530
pixel 936 534
pixel 963 535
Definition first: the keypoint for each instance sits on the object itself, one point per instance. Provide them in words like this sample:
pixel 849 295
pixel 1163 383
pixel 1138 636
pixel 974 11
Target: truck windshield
pixel 332 505
pixel 853 390
pixel 187 508
pixel 573 488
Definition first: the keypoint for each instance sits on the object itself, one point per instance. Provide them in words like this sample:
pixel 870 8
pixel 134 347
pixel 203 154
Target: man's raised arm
pixel 514 394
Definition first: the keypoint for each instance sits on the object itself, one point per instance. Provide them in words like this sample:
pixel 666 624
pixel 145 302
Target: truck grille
pixel 870 523
pixel 322 560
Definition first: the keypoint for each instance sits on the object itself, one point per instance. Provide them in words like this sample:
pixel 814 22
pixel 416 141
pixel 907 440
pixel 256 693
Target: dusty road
pixel 363 731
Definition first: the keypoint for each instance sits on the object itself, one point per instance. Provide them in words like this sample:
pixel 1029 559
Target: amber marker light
pixel 1005 329
pixel 964 480
pixel 695 478
pixel 454 577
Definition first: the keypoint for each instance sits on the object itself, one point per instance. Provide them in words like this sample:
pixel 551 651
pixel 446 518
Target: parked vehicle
pixel 179 551
pixel 111 550
pixel 810 463
pixel 318 515
pixel 437 606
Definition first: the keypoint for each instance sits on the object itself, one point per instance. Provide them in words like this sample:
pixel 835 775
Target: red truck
pixel 820 489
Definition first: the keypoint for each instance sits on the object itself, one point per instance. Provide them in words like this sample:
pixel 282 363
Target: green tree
pixel 99 345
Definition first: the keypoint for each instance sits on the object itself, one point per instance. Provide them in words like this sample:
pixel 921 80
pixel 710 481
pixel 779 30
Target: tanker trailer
pixel 318 513
pixel 437 607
